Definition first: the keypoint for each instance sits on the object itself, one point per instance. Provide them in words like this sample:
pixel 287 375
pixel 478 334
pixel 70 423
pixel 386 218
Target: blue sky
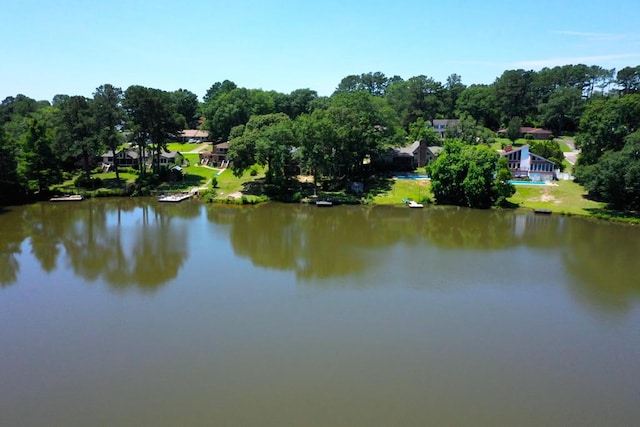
pixel 73 46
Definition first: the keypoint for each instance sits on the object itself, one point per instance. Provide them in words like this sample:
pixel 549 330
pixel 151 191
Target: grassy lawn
pixel 249 185
pixel 499 142
pixel 418 190
pixel 109 178
pixel 563 146
pixel 193 159
pixel 567 198
pixel 177 146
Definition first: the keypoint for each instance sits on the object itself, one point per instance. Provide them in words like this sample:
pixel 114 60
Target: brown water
pixel 130 313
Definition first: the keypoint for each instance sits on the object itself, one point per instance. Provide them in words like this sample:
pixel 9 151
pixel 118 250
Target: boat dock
pixel 174 198
pixel 68 198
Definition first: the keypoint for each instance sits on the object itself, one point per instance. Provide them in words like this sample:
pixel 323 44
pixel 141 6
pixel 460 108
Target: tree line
pixel 327 136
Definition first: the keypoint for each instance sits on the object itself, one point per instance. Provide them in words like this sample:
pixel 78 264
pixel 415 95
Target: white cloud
pixel 593 36
pixel 601 60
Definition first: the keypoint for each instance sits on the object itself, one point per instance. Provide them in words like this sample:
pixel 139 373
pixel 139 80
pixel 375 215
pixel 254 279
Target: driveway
pixel 571 156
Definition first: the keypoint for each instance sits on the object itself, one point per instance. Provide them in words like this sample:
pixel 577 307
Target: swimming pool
pixel 416 177
pixel 527 182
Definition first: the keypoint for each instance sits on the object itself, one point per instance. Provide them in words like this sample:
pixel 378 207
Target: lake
pixel 126 312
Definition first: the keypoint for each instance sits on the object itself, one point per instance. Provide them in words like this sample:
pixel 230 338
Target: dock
pixel 174 198
pixel 542 211
pixel 68 198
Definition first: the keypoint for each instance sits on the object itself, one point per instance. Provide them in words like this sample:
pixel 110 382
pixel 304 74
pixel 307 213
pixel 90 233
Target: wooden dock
pixel 174 198
pixel 68 198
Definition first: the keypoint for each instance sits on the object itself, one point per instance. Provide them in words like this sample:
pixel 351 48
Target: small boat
pixel 324 203
pixel 68 198
pixel 174 198
pixel 542 211
pixel 412 204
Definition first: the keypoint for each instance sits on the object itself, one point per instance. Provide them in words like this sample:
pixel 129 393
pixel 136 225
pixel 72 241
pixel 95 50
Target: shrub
pixel 83 181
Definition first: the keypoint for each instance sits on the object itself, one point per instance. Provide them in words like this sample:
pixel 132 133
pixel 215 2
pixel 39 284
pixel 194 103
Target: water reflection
pixel 309 241
pixel 122 242
pixel 132 243
pixel 11 238
pixel 603 261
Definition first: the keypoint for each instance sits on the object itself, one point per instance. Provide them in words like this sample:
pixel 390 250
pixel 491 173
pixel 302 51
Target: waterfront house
pixel 127 157
pixel 217 157
pixel 410 157
pixel 525 164
pixel 193 135
pixel 536 133
pixel 441 125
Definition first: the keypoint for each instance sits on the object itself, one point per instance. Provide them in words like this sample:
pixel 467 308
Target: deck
pixel 70 198
pixel 174 198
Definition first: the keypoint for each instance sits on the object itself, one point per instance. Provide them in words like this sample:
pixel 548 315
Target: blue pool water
pixel 412 177
pixel 527 182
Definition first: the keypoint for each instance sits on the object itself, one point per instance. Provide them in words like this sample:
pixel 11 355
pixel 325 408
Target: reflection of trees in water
pixel 316 242
pixel 11 237
pixel 603 258
pixel 98 245
pixel 462 228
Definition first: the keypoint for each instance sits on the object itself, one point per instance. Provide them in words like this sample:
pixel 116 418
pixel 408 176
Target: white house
pixel 524 163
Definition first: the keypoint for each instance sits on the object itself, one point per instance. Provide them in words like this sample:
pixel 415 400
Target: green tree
pixel 628 79
pixel 218 89
pixel 374 83
pixel 550 150
pixel 316 133
pixel 233 108
pixel 502 187
pixel 109 114
pixel 604 125
pixel 300 102
pixel 470 132
pixel 78 132
pixel 420 130
pixel 10 186
pixel 479 102
pixel 454 88
pixel 563 109
pixel 267 140
pixel 416 97
pixel 464 175
pixel 186 104
pixel 615 178
pixel 514 92
pixel 39 165
pixel 513 129
pixel 154 120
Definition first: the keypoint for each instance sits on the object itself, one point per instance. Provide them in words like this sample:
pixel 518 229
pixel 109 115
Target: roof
pixel 194 133
pixel 446 122
pixel 526 129
pixel 513 150
pixel 222 145
pixel 409 149
pixel 170 154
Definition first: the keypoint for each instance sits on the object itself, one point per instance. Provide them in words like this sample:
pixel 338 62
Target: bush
pixel 214 182
pixel 208 196
pixel 83 181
